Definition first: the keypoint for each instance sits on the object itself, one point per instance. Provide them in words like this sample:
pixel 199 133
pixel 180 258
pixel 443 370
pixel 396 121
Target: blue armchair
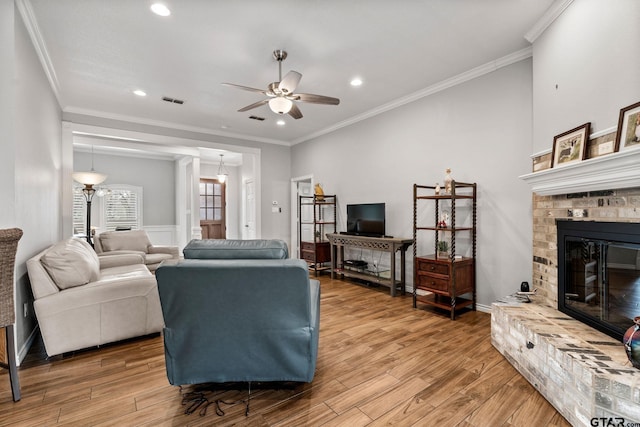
pixel 239 320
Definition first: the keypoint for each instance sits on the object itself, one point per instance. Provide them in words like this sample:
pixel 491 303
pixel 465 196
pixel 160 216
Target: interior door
pixel 212 209
pixel 249 229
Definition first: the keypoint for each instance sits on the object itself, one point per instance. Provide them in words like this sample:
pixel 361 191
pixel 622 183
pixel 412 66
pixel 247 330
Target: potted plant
pixel 443 249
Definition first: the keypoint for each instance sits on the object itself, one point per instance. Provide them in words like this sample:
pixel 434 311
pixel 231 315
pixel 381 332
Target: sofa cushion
pixel 236 249
pixel 135 240
pixel 71 262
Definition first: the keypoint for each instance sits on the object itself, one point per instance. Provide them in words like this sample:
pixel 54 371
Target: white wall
pixel 480 129
pixel 591 53
pixel 7 136
pixel 36 165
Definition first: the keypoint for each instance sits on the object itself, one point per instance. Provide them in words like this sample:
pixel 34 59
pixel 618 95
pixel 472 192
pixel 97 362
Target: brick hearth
pixel 583 373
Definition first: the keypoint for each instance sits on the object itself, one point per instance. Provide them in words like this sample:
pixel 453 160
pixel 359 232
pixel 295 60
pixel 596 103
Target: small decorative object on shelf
pixel 447 181
pixel 443 249
pixel 631 342
pixel 437 190
pixel 319 192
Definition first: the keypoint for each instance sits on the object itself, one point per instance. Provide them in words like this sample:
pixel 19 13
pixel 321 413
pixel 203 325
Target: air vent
pixel 260 119
pixel 173 100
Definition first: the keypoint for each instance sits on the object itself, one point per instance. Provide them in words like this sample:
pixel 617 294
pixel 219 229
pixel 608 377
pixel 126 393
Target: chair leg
pixel 13 369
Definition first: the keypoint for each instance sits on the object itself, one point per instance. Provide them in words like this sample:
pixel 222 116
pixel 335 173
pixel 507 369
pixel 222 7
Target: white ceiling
pixel 99 51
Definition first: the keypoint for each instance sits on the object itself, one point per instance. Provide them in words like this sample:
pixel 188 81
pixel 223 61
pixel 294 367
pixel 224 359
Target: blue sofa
pixel 238 320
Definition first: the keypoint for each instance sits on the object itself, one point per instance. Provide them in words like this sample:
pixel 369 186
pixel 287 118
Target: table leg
pixel 393 272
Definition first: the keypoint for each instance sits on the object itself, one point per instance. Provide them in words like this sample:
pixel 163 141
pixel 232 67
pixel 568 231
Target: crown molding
pixel 28 17
pixel 547 19
pixel 169 125
pixel 474 73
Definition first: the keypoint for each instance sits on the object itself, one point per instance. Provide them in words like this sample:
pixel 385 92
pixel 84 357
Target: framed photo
pixel 628 134
pixel 571 146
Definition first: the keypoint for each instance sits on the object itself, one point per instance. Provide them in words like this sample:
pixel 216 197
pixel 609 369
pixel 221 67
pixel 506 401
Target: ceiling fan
pixel 280 94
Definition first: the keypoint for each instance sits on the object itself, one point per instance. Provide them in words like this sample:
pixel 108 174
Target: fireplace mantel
pixel 613 171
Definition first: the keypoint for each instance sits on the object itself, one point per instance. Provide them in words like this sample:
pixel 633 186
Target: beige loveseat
pixel 134 241
pixel 83 300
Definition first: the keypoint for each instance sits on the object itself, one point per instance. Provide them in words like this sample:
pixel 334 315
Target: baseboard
pixel 479 307
pixel 27 345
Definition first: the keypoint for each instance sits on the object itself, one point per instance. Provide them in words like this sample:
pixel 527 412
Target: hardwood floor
pixel 381 362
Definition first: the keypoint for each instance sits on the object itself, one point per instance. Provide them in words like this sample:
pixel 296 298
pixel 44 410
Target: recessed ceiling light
pixel 140 92
pixel 160 9
pixel 356 82
pixel 280 122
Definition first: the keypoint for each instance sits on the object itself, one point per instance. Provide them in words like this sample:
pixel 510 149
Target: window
pixel 123 207
pixel 211 200
pixel 79 212
pixel 113 206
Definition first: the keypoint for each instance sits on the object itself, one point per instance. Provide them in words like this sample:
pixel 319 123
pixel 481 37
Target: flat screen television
pixel 366 219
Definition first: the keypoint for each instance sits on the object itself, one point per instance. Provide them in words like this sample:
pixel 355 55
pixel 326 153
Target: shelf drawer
pixel 433 267
pixel 307 246
pixel 308 256
pixel 428 282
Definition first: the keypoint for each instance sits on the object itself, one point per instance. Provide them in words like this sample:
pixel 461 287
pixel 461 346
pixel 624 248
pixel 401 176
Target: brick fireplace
pixel 608 205
pixel 584 373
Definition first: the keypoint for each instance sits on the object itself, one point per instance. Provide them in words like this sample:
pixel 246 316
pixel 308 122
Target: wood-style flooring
pixel 380 362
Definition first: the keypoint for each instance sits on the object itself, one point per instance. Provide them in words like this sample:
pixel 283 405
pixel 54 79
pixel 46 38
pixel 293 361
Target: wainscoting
pixel 162 234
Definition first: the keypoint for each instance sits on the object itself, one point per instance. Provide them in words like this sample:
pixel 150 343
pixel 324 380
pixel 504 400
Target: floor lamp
pixel 89 179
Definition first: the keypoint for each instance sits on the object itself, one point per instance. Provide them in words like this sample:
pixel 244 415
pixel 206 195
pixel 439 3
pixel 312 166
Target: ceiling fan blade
pixel 254 105
pixel 250 89
pixel 316 99
pixel 295 112
pixel 290 82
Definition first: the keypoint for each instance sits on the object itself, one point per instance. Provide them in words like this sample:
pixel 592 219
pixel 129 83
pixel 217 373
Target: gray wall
pixel 155 176
pixel 591 53
pixel 480 129
pixel 30 187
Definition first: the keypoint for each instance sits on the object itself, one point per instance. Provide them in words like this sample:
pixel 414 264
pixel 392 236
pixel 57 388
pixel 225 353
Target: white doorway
pixel 300 186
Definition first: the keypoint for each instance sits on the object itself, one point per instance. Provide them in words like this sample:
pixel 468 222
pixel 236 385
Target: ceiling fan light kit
pixel 280 105
pixel 281 94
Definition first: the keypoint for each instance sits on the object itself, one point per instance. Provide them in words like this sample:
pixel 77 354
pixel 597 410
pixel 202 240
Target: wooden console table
pixel 384 244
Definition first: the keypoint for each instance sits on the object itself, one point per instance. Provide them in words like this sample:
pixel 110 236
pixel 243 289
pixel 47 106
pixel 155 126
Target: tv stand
pixel 384 244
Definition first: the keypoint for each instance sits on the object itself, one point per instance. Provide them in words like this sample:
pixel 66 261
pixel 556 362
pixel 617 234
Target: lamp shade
pixel 280 105
pixel 89 178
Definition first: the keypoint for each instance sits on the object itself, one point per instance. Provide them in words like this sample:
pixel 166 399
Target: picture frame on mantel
pixel 571 146
pixel 628 134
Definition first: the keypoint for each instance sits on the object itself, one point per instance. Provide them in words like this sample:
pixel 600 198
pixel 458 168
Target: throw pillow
pixel 71 263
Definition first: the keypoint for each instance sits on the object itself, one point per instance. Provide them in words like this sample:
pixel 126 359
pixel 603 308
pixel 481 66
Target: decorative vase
pixel 447 181
pixel 631 342
pixel 319 192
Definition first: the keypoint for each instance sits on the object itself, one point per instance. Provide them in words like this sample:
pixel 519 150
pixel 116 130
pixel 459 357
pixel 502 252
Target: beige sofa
pixel 83 300
pixel 134 241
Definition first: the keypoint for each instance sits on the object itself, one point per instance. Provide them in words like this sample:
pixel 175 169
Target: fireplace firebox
pixel 599 273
